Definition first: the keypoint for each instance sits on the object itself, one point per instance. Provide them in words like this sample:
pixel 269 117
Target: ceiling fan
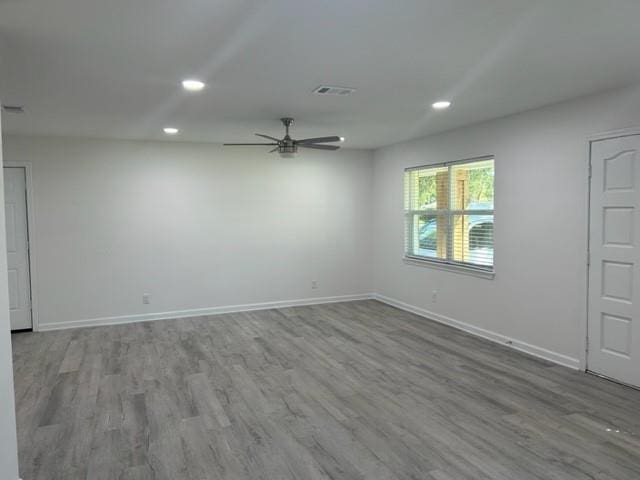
pixel 287 147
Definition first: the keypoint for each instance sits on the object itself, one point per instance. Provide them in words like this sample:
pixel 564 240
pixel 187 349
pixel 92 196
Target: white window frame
pixel 439 263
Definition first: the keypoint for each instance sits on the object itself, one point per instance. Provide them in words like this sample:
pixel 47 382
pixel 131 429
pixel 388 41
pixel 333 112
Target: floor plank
pixel 357 390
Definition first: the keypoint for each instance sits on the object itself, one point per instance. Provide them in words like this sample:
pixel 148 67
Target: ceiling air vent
pixel 329 90
pixel 13 108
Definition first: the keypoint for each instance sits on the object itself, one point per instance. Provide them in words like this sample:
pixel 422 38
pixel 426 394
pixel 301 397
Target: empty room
pixel 320 240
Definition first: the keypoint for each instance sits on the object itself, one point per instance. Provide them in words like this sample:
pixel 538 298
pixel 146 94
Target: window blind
pixel 449 213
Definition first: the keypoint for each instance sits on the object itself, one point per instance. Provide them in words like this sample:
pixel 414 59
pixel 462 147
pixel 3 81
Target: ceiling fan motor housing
pixel 287 150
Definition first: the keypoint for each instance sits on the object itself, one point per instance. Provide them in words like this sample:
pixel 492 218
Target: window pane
pixel 472 185
pixel 433 189
pixel 430 236
pixel 472 239
pixel 427 189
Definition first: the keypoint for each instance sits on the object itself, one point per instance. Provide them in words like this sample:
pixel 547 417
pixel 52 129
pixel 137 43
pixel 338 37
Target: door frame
pixel 35 325
pixel 584 326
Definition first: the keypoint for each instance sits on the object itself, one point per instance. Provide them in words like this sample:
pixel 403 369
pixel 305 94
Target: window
pixel 449 213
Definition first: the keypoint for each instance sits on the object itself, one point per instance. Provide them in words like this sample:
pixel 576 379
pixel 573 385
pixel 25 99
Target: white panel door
pixel 614 273
pixel 15 205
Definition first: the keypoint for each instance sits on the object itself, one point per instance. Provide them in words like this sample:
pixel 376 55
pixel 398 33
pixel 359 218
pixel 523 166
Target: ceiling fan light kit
pixel 288 147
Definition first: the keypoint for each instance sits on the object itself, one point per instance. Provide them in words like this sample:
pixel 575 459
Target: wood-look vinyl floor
pixel 356 390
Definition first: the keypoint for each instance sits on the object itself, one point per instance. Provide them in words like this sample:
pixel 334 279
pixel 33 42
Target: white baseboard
pixel 539 352
pixel 148 317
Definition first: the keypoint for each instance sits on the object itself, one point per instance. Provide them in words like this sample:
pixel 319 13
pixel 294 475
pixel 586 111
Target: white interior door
pixel 17 247
pixel 614 274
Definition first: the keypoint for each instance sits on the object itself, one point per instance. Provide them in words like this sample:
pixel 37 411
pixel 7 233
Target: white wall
pixel 8 440
pixel 538 296
pixel 196 226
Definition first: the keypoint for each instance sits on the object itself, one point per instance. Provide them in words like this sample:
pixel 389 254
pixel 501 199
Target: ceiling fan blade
pixel 274 150
pixel 319 147
pixel 236 144
pixel 318 140
pixel 268 137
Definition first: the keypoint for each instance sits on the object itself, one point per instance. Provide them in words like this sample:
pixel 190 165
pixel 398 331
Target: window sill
pixel 474 272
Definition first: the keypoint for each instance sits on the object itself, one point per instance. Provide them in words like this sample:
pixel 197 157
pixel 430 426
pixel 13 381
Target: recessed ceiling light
pixel 192 85
pixel 170 130
pixel 441 105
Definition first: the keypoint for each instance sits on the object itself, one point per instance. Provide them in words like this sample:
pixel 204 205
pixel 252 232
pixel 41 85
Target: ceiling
pixel 112 68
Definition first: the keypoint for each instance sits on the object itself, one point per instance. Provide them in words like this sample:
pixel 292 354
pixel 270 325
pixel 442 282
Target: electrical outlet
pixel 146 298
pixel 434 296
pixel 314 284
